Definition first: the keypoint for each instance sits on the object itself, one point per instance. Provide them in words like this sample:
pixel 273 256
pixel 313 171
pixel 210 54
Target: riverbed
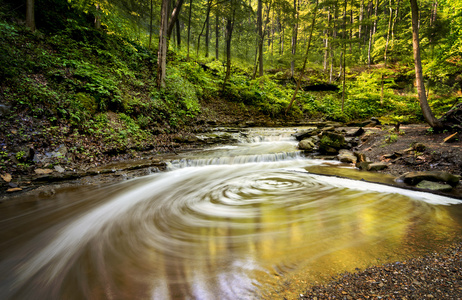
pixel 231 222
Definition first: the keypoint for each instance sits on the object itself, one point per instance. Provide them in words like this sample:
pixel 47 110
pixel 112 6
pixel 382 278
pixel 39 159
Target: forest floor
pixel 435 156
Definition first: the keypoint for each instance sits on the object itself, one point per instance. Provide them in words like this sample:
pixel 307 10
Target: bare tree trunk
pixel 207 35
pixel 162 52
pixel 30 15
pixel 189 27
pixel 302 72
pixel 344 54
pixel 217 36
pixel 361 16
pixel 326 42
pixel 372 34
pixel 394 23
pixel 229 35
pixel 426 111
pixel 294 39
pixel 385 52
pixel 98 17
pixel 209 6
pixel 260 38
pixel 281 38
pixel 174 17
pixel 150 25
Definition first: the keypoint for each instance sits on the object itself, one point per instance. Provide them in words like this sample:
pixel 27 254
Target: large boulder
pixel 413 178
pixel 331 142
pixel 307 145
pixel 306 133
pixel 310 144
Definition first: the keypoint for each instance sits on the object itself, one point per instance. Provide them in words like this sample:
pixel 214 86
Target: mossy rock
pixel 330 141
pixel 87 102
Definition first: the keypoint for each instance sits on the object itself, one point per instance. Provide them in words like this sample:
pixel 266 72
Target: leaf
pixel 7 177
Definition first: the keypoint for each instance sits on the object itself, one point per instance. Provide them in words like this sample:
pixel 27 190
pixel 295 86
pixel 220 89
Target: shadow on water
pixel 237 222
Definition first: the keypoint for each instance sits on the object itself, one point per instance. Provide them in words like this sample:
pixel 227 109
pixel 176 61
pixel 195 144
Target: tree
pixel 165 30
pixel 229 35
pixel 426 110
pixel 313 22
pixel 162 52
pixel 30 14
pixel 294 37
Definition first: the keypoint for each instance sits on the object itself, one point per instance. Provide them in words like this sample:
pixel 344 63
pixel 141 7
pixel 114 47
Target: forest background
pixel 112 78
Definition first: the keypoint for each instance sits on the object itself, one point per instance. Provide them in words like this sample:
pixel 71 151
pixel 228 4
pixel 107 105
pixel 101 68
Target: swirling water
pixel 236 222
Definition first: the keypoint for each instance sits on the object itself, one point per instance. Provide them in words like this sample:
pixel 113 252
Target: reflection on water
pixel 208 229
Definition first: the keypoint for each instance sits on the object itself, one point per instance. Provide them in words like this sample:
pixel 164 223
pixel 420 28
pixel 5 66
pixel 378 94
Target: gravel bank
pixel 435 276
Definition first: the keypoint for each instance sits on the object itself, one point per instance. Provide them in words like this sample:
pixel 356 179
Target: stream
pixel 244 221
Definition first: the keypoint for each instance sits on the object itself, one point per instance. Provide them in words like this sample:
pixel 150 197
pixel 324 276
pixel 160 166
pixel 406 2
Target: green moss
pixel 87 102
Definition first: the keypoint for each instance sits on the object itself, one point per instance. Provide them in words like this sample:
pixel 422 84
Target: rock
pixel 185 139
pixel 413 178
pixel 306 133
pixel 355 132
pixel 376 121
pixel 390 155
pixel 61 151
pixel 4 109
pixel 307 144
pixel 452 138
pixel 331 142
pixel 7 177
pixel 59 169
pixel 328 128
pixel 363 165
pixel 377 166
pixel 434 186
pixel 361 157
pixel 12 185
pixel 347 156
pixel 12 190
pixel 419 147
pixel 43 171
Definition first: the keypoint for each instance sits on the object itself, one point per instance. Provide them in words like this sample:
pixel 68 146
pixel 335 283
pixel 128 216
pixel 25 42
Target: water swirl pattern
pixel 233 224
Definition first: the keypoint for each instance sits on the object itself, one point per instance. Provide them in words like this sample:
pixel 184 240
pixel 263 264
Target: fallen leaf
pixel 7 177
pixel 12 190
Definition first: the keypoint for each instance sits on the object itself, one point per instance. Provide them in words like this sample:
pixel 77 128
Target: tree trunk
pixel 344 53
pixel 302 72
pixel 294 39
pixel 189 27
pixel 217 36
pixel 372 34
pixel 229 35
pixel 207 35
pixel 98 17
pixel 426 111
pixel 207 16
pixel 162 52
pixel 150 25
pixel 174 17
pixel 30 15
pixel 385 57
pixel 178 33
pixel 326 42
pixel 361 16
pixel 260 37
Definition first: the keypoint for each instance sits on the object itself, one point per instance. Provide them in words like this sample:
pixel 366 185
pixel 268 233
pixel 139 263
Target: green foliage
pixel 181 93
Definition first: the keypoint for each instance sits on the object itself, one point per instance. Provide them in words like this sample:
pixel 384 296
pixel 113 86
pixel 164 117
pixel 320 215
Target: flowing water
pixel 246 221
